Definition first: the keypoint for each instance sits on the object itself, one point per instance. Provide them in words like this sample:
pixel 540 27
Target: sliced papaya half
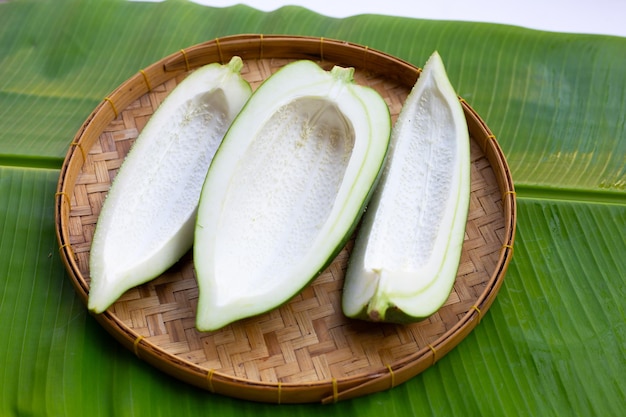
pixel 147 220
pixel 407 252
pixel 286 189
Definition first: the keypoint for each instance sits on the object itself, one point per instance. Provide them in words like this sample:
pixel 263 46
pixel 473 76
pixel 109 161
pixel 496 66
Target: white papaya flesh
pixel 146 223
pixel 285 189
pixel 407 251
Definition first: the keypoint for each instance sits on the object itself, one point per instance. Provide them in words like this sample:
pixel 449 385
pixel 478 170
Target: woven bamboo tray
pixel 305 351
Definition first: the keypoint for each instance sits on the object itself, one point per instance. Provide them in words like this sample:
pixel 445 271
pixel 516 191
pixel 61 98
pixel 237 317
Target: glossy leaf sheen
pixel 553 341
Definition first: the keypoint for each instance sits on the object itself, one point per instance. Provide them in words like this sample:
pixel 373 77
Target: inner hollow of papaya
pixel 282 193
pixel 184 142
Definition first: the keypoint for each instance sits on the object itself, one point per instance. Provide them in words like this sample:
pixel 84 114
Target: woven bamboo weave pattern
pixel 308 339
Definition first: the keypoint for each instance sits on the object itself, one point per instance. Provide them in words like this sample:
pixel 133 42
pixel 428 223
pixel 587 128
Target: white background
pixel 576 16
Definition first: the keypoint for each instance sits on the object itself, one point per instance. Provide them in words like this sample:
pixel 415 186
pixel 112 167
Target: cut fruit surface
pixel 285 189
pixel 407 251
pixel 147 220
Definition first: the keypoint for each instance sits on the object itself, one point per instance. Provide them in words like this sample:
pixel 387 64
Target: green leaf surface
pixel 553 342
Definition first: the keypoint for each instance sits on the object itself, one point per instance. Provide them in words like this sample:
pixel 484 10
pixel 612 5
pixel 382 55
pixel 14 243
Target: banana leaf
pixel 553 343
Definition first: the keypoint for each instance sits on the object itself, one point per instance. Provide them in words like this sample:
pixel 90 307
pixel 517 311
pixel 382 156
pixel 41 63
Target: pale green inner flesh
pixel 162 191
pixel 418 191
pixel 281 195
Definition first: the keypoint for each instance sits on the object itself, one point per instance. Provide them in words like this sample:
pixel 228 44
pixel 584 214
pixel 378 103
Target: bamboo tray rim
pixel 260 47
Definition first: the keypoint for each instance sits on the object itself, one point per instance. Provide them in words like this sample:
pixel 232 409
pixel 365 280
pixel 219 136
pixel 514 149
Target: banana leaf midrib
pixel 522 190
pixel 30 162
pixel 573 195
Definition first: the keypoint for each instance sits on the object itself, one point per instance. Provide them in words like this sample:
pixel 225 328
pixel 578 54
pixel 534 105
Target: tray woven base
pixel 306 350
